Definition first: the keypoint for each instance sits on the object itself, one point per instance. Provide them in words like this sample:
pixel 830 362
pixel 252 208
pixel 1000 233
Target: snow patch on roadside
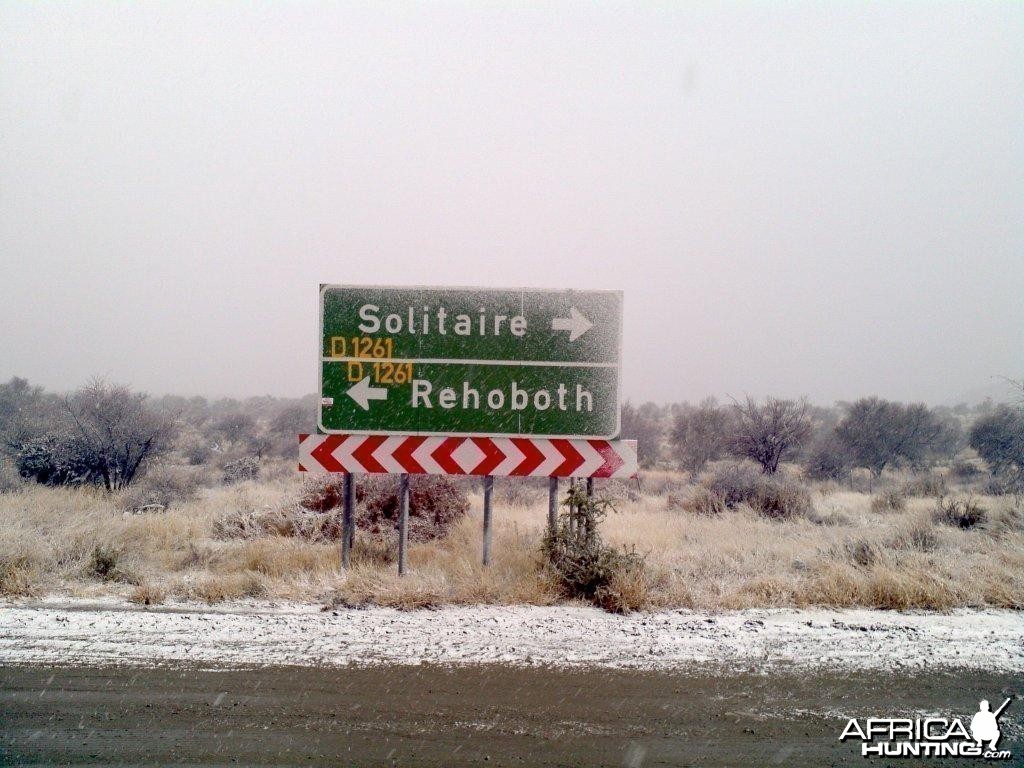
pixel 256 634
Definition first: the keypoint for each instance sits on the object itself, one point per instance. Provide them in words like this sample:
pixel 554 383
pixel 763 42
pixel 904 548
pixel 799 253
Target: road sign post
pixel 552 504
pixel 467 381
pixel 488 500
pixel 348 522
pixel 403 523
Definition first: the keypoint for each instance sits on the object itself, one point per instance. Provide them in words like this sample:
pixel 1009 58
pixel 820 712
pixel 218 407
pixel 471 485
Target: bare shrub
pixel 237 428
pixel 960 513
pixel 25 412
pixel 771 496
pixel 240 470
pixel 159 489
pixel 584 566
pixel 769 432
pixel 113 432
pixel 435 504
pixel 888 500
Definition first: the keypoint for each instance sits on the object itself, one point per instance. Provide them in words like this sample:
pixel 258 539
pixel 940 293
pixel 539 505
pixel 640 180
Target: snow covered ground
pixel 114 632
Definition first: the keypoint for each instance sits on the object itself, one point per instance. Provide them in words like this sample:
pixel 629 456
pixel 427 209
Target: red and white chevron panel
pixel 494 456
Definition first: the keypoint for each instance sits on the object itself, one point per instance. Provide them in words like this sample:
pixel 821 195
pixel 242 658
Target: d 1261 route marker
pixel 470 362
pixel 482 456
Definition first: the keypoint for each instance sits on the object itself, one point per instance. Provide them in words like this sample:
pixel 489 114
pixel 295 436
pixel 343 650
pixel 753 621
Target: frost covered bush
pixel 768 495
pixel 239 470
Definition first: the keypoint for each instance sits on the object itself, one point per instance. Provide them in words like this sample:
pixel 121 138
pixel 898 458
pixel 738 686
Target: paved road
pixel 482 715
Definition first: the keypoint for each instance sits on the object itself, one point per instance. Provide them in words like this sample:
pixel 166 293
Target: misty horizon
pixel 823 202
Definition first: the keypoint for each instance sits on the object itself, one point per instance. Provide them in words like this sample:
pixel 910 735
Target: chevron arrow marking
pixel 497 457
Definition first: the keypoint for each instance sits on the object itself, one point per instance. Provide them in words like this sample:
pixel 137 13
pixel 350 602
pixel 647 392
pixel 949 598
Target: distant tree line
pixel 829 443
pixel 104 434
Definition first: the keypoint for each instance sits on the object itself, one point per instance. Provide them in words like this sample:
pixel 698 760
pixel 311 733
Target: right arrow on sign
pixel 576 324
pixel 363 393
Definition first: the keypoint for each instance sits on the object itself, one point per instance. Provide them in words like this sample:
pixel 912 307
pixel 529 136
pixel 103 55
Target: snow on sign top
pixel 470 361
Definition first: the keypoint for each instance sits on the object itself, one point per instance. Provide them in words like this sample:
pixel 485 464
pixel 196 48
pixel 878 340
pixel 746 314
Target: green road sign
pixel 469 361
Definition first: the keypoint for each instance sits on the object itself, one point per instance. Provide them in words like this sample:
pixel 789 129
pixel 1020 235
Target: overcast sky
pixel 809 200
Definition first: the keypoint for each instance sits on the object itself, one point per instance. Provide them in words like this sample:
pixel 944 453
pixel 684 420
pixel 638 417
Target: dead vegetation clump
pixel 771 496
pixel 963 513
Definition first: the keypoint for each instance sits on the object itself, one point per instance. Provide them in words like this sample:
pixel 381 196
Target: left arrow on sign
pixel 363 393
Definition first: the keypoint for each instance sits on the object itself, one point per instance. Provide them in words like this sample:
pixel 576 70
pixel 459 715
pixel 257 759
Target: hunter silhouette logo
pixel 930 736
pixel 985 725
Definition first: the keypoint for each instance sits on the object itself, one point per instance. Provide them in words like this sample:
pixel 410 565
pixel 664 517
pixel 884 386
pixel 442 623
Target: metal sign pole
pixel 552 503
pixel 488 493
pixel 348 523
pixel 403 523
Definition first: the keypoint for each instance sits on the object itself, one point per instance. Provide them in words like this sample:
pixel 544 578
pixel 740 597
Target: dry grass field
pixel 850 550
